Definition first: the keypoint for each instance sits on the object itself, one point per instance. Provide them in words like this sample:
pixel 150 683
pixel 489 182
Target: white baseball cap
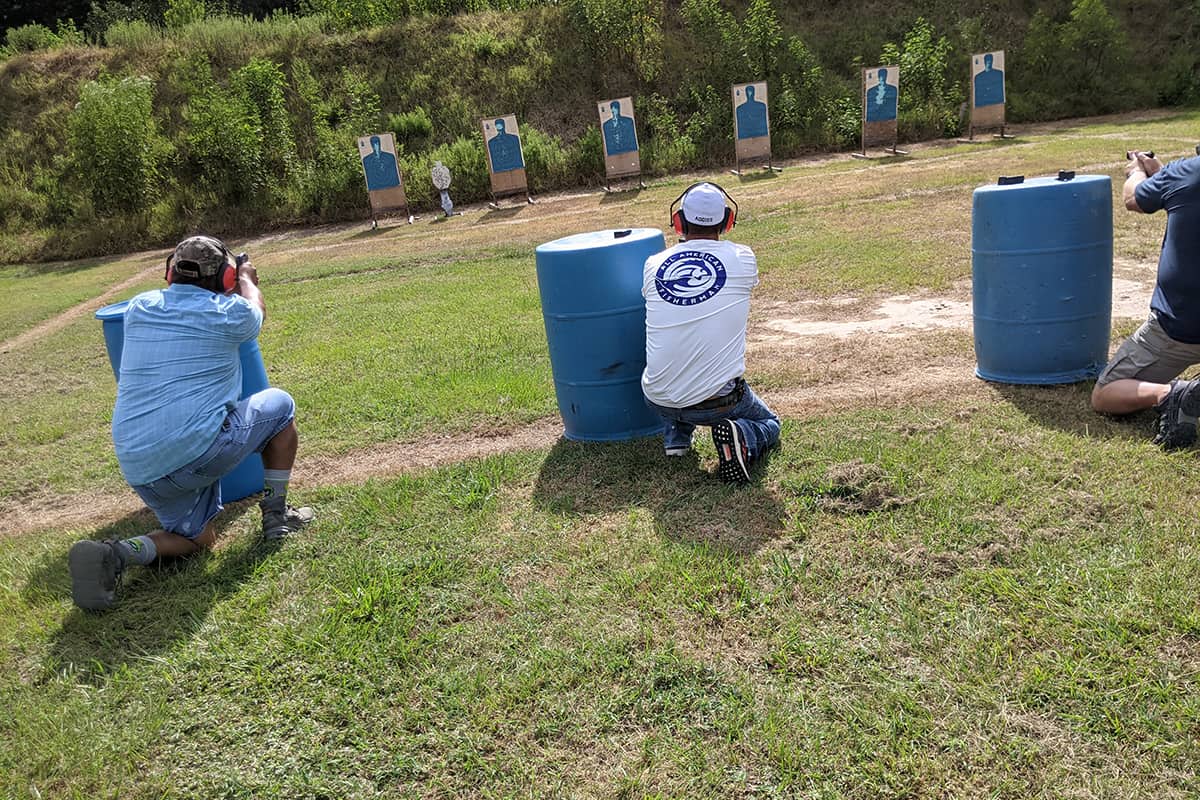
pixel 704 205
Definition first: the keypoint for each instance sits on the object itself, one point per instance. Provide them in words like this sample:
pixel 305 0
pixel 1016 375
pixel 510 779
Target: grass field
pixel 936 588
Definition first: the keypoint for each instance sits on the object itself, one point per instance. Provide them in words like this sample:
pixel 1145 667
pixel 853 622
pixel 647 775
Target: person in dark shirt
pixel 1142 374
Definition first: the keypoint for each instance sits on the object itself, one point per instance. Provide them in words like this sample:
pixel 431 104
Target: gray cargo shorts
pixel 1150 355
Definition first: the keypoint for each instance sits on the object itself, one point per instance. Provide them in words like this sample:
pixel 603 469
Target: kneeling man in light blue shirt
pixel 179 427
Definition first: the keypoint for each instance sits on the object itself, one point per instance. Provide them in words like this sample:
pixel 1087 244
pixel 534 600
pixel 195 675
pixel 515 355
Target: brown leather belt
pixel 733 398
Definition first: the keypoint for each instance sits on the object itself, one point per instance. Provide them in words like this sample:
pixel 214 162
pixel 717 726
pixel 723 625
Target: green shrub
pixel 116 145
pixel 625 32
pixel 930 100
pixel 585 158
pixel 412 128
pixel 546 162
pixel 349 15
pixel 260 84
pixel 1079 66
pixel 30 38
pixel 183 12
pixel 134 35
pixel 665 148
pixel 225 147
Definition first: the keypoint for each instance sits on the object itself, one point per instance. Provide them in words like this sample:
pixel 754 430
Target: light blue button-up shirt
pixel 180 375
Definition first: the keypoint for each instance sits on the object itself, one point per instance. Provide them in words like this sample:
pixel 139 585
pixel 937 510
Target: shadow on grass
pixel 1068 408
pixel 501 213
pixel 157 606
pixel 756 174
pixel 621 194
pixel 689 503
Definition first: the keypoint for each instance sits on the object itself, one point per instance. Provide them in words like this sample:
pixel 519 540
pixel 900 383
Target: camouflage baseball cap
pixel 199 257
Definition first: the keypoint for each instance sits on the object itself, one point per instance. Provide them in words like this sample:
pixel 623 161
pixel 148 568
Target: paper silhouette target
pixel 751 121
pixel 987 90
pixel 881 95
pixel 506 159
pixel 619 132
pixel 385 189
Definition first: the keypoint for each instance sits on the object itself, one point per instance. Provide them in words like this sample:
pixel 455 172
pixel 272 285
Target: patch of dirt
pixel 856 487
pixel 397 458
pixel 61 321
pixel 901 315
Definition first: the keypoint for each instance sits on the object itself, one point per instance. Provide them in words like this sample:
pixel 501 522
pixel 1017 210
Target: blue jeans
pixel 759 425
pixel 185 500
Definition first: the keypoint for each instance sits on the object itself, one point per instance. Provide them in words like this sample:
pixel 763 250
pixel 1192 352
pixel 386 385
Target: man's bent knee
pixel 274 402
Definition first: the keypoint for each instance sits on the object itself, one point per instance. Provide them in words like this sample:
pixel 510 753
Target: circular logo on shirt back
pixel 690 277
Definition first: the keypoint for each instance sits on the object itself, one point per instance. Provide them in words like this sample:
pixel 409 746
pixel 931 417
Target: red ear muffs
pixel 727 222
pixel 227 277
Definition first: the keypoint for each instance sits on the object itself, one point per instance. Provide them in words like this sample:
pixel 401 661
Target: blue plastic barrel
pixel 1041 267
pixel 247 478
pixel 591 289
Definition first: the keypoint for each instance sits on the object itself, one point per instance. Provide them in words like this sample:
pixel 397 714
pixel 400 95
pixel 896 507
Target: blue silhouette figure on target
pixel 751 117
pixel 881 100
pixel 380 167
pixel 619 134
pixel 505 150
pixel 989 84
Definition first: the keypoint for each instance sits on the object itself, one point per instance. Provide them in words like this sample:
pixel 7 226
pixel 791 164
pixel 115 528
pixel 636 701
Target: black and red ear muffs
pixel 727 222
pixel 226 277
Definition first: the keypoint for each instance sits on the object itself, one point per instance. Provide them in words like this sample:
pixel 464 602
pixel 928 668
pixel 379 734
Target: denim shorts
pixel 185 500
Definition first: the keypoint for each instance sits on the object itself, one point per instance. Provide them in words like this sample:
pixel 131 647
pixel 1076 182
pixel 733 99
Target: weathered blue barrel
pixel 591 288
pixel 247 478
pixel 1041 267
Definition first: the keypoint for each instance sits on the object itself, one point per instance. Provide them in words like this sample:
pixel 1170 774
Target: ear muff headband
pixel 727 222
pixel 226 275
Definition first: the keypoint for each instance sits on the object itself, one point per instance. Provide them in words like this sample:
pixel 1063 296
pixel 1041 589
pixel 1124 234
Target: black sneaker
pixel 96 569
pixel 734 458
pixel 279 524
pixel 1177 415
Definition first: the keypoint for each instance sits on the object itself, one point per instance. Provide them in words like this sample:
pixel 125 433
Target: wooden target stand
pixel 623 167
pixel 874 134
pixel 985 119
pixel 385 202
pixel 753 153
pixel 511 183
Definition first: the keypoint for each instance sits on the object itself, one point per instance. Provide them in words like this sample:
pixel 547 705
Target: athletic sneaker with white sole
pixel 732 455
pixel 96 569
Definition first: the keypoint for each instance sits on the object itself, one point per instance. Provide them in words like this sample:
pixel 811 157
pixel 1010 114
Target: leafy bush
pixel 225 147
pixel 412 128
pixel 665 148
pixel 260 84
pixel 30 38
pixel 931 96
pixel 628 32
pixel 116 145
pixel 183 12
pixel 133 35
pixel 1075 67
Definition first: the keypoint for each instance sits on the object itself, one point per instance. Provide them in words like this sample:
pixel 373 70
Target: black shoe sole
pixel 90 562
pixel 728 441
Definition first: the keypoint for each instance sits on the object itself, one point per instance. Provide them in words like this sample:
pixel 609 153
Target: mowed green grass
pixel 950 602
pixel 988 595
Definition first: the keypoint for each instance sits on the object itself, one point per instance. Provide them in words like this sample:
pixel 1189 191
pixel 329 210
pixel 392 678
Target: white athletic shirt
pixel 697 302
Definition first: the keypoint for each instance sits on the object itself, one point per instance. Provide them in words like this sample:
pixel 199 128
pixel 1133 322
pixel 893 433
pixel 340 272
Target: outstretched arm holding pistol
pixel 247 283
pixel 1141 165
